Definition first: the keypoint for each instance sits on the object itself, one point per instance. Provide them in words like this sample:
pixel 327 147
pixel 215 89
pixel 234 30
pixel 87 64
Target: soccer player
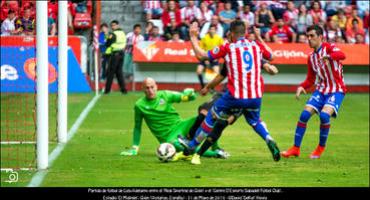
pixel 243 62
pixel 162 119
pixel 323 63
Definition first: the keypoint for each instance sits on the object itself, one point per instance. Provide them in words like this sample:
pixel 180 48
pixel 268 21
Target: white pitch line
pixel 40 175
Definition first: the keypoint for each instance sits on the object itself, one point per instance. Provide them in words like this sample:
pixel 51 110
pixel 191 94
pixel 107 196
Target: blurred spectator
pixel 52 26
pixel 215 22
pixel 176 37
pixel 53 9
pixel 264 19
pixel 352 34
pixel 366 26
pixel 281 33
pixel 148 29
pixel 333 32
pixel 81 6
pixel 302 38
pixel 354 15
pixel 247 15
pixel 341 19
pixel 6 6
pixel 209 42
pixel 171 13
pixel 362 7
pixel 227 16
pixel 8 25
pixel 188 14
pixel 332 7
pixel 170 30
pixel 26 24
pixel 205 13
pixel 103 36
pixel 152 9
pixel 154 35
pixel 290 16
pixel 132 39
pixel 304 20
pixel 318 15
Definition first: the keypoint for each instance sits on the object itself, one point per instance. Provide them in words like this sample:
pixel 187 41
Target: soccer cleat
pixel 196 159
pixel 274 149
pixel 292 151
pixel 222 154
pixel 180 156
pixel 317 152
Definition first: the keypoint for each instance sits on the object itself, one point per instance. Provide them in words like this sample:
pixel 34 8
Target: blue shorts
pixel 227 105
pixel 319 100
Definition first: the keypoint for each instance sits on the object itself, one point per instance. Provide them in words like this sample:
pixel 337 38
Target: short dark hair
pixel 237 27
pixel 104 25
pixel 11 11
pixel 114 22
pixel 137 26
pixel 317 29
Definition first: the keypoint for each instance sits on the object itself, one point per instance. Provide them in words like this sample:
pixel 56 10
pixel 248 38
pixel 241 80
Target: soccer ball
pixel 165 152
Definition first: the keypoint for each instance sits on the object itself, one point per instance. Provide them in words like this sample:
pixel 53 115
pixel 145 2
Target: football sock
pixel 324 127
pixel 200 77
pixel 301 127
pixel 261 130
pixel 197 123
pixel 219 126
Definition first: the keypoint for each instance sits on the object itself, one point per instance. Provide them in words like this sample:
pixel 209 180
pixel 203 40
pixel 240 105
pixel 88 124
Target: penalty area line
pixel 40 175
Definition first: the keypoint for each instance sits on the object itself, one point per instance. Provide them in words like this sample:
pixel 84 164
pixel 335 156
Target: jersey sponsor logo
pixel 9 73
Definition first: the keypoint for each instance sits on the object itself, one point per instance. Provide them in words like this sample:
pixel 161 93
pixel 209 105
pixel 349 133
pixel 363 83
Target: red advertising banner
pixel 73 41
pixel 168 52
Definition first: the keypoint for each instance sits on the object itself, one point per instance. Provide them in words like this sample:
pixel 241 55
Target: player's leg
pixel 313 105
pixel 199 71
pixel 331 107
pixel 252 116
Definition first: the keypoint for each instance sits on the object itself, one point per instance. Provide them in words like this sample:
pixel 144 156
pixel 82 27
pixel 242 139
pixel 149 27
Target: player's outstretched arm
pixel 300 89
pixel 199 52
pixel 261 42
pixel 188 95
pixel 211 85
pixel 270 69
pixel 133 151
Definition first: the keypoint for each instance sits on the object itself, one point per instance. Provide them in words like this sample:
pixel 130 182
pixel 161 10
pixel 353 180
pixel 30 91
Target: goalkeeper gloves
pixel 189 94
pixel 131 152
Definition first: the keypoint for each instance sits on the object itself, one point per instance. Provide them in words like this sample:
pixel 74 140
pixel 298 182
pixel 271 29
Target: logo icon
pixel 12 176
pixel 148 49
pixel 30 69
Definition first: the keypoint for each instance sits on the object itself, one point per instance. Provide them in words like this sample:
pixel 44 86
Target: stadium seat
pixel 82 21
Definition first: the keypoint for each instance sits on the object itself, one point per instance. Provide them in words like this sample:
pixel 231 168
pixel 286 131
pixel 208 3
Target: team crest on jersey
pixel 216 50
pixel 332 99
pixel 161 102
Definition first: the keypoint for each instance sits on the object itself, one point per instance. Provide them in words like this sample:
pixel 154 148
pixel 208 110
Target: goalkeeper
pixel 162 119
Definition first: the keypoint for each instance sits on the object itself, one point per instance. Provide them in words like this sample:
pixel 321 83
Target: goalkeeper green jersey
pixel 159 115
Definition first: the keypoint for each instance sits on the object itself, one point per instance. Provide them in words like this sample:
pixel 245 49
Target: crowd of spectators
pixel 19 17
pixel 280 21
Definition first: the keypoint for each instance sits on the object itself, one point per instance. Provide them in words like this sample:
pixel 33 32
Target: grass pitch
pixel 92 157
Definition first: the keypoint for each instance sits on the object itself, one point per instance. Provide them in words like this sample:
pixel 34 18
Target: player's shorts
pixel 319 100
pixel 182 128
pixel 212 63
pixel 228 105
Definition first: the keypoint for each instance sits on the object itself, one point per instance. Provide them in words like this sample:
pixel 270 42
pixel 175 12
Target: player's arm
pixel 334 53
pixel 267 52
pixel 270 69
pixel 199 52
pixel 215 81
pixel 137 134
pixel 186 95
pixel 310 80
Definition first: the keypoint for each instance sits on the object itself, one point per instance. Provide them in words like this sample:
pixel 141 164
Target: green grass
pixel 92 158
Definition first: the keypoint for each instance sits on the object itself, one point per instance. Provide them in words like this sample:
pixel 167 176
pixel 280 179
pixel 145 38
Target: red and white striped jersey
pixel 148 4
pixel 329 74
pixel 243 62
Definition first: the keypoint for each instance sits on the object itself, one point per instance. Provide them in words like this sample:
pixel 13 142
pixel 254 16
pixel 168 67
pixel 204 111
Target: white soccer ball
pixel 165 152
